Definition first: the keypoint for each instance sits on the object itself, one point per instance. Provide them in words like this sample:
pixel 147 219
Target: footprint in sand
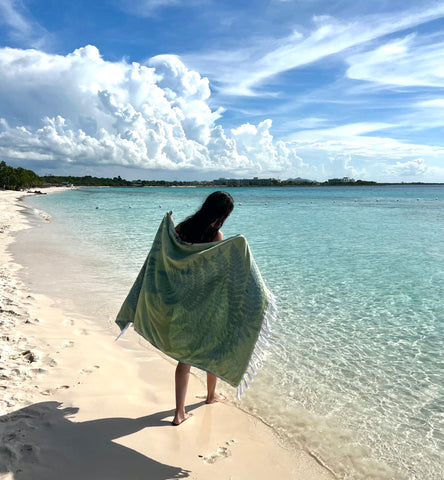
pixel 30 452
pixel 49 362
pixel 50 391
pixel 29 321
pixel 81 331
pixel 221 452
pixel 69 344
pixel 89 370
pixel 38 371
pixel 68 322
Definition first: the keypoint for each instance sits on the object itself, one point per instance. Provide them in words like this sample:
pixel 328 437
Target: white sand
pixel 74 404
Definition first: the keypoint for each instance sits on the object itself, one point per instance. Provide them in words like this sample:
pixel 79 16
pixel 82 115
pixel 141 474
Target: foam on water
pixel 355 372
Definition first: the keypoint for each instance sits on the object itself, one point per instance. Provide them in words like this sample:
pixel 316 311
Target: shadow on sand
pixel 40 442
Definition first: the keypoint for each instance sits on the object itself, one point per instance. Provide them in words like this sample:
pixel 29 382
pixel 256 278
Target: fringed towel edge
pixel 259 351
pixel 128 325
pixel 258 356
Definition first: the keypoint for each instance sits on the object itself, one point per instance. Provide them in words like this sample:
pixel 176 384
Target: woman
pixel 201 227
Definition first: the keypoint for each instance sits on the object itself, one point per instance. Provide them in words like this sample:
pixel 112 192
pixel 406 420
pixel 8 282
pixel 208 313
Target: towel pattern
pixel 203 304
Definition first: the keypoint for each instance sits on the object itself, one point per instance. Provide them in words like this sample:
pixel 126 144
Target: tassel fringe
pixel 258 355
pixel 123 331
pixel 259 352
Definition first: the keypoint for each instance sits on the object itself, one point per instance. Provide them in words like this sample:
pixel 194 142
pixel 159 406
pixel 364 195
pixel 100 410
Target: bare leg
pixel 212 396
pixel 182 377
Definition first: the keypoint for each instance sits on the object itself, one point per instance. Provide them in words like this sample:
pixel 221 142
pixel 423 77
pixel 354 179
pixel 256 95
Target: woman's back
pixel 218 237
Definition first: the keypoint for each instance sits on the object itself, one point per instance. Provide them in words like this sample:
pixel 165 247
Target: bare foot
pixel 178 419
pixel 215 397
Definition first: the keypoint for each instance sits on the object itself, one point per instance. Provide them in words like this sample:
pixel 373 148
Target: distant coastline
pixel 88 181
pixel 21 179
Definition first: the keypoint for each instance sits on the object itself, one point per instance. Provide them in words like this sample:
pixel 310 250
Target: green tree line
pixel 85 181
pixel 17 178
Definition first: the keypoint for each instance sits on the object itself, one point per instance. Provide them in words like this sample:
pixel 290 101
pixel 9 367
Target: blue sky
pixel 200 89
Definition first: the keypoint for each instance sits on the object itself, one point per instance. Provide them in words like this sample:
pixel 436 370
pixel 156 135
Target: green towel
pixel 204 304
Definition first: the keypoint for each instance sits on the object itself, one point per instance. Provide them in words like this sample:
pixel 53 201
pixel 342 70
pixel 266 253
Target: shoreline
pixel 76 404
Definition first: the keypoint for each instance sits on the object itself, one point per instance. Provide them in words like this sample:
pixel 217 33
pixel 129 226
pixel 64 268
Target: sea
pixel 354 374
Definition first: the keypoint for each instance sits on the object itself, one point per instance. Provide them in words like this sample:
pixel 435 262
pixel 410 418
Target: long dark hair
pixel 204 224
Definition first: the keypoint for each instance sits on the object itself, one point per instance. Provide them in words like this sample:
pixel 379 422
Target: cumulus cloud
pixel 411 168
pixel 341 166
pixel 360 151
pixel 81 109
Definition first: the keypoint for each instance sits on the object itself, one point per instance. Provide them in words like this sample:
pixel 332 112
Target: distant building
pixel 245 182
pixel 339 181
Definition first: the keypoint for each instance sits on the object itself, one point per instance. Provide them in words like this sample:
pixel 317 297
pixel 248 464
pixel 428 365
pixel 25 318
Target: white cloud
pixel 425 114
pixel 351 130
pixel 177 80
pixel 13 18
pixel 340 140
pixel 356 151
pixel 411 168
pixel 150 8
pixel 256 143
pixel 22 29
pixel 243 71
pixel 401 62
pixel 341 166
pixel 81 109
pixel 434 103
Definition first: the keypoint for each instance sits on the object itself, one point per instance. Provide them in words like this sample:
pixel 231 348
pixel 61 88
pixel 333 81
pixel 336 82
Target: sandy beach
pixel 75 404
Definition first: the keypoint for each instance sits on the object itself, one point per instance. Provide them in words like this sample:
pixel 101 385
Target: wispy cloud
pixel 11 16
pixel 23 28
pixel 434 103
pixel 244 71
pixel 355 140
pixel 408 61
pixel 424 115
pixel 151 8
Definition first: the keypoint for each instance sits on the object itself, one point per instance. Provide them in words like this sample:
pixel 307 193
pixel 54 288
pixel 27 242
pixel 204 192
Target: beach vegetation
pixel 85 181
pixel 88 181
pixel 20 178
pixel 17 178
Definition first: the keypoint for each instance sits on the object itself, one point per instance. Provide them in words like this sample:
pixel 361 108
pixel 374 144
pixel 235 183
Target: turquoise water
pixel 355 372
